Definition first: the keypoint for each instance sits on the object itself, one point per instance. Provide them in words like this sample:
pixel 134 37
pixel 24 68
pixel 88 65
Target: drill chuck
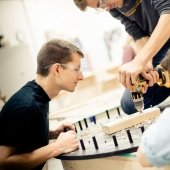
pixel 139 88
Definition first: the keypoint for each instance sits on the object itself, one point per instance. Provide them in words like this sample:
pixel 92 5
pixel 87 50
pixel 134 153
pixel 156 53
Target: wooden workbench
pixel 126 162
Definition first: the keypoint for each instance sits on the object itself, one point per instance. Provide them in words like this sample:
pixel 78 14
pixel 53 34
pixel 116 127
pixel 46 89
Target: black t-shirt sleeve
pixel 163 6
pixel 19 129
pixel 131 27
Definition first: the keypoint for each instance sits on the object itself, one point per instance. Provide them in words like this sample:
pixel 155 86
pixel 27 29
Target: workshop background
pixel 26 24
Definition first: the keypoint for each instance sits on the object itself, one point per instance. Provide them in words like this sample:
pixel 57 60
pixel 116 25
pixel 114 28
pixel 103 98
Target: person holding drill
pixel 148 22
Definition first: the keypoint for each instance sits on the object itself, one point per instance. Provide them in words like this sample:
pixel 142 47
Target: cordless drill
pixel 138 89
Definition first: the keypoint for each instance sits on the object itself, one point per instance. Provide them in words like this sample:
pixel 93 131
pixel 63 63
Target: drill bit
pixel 139 105
pixel 138 101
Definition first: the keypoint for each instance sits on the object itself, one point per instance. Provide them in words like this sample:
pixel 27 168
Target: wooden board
pixel 129 121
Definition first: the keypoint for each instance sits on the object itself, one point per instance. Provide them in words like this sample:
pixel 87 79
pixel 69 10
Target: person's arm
pixel 159 37
pixel 9 159
pixel 27 160
pixel 139 44
pixel 129 71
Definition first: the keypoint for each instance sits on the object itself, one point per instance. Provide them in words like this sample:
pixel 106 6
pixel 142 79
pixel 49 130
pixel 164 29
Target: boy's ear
pixel 56 67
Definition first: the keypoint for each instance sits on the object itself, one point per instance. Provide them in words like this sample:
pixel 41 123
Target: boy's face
pixel 71 73
pixel 105 4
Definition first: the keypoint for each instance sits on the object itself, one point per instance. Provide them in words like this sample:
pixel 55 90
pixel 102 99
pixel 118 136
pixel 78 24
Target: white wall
pixel 16 68
pixel 39 20
pixel 61 18
pixel 17 64
pixel 14 21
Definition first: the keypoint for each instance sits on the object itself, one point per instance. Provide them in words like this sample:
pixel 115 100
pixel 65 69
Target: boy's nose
pixel 80 76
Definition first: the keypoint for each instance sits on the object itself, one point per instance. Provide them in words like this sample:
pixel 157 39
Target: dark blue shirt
pixel 140 17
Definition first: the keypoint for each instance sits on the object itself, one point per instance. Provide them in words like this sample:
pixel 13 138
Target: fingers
pixel 68 126
pixel 146 88
pixel 152 76
pixel 122 78
pixel 129 72
pixel 68 141
pixel 127 79
pixel 155 75
pixel 65 126
pixel 72 132
pixel 74 147
pixel 149 77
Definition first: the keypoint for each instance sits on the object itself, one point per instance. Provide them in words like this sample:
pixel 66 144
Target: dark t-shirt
pixel 24 119
pixel 141 16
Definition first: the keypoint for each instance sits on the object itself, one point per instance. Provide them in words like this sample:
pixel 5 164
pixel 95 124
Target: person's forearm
pixel 139 44
pixel 30 160
pixel 158 38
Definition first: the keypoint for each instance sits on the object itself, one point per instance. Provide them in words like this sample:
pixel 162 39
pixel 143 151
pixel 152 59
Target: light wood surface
pixel 109 163
pixel 129 121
